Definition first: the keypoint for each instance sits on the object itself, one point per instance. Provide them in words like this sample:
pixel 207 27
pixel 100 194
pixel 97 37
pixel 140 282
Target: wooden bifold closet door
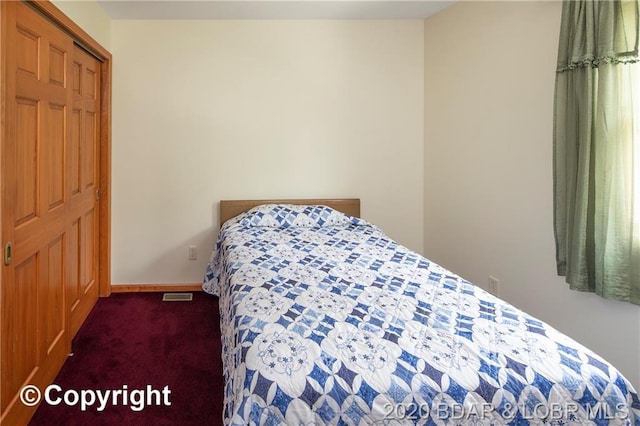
pixel 50 201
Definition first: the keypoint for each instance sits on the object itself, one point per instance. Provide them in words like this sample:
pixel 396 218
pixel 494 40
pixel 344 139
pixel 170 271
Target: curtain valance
pixel 595 32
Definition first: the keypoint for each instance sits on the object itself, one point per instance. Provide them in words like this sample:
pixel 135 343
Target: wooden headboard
pixel 232 208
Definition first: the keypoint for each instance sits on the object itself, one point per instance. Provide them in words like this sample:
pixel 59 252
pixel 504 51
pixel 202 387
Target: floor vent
pixel 177 297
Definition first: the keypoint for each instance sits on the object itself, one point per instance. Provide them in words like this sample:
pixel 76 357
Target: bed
pixel 326 320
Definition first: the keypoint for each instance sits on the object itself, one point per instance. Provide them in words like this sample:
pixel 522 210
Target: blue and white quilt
pixel 326 320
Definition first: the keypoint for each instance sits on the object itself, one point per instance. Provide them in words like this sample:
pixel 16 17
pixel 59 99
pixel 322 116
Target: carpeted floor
pixel 133 340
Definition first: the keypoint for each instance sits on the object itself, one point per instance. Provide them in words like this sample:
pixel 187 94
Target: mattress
pixel 327 320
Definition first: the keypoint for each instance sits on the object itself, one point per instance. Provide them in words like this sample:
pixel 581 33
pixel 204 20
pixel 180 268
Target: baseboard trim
pixel 137 288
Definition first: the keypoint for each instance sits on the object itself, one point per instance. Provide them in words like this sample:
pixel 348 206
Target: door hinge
pixel 8 253
pixel 97 195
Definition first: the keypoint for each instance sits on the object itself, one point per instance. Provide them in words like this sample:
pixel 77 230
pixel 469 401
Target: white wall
pixel 489 82
pixel 210 110
pixel 90 16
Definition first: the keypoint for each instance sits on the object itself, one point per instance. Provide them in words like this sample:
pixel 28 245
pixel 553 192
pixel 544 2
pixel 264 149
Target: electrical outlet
pixel 494 285
pixel 193 253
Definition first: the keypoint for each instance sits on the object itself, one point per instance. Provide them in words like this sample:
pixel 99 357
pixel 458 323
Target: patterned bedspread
pixel 326 320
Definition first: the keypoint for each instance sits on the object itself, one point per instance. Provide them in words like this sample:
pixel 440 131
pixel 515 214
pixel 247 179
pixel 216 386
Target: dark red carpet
pixel 136 340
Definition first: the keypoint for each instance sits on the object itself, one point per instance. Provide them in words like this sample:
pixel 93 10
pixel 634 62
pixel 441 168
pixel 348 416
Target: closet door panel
pixel 35 342
pixel 19 358
pixel 54 163
pixel 73 167
pixel 73 266
pixel 26 160
pixel 57 65
pixel 27 51
pixel 84 184
pixel 52 297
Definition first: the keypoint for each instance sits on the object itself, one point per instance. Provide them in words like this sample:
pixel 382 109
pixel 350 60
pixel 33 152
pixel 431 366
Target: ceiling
pixel 271 9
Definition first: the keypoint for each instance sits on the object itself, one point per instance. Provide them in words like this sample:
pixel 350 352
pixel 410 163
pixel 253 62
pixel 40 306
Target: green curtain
pixel 596 149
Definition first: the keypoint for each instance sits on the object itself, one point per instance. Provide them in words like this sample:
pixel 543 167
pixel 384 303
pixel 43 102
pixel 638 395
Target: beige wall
pixel 210 110
pixel 489 81
pixel 90 16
